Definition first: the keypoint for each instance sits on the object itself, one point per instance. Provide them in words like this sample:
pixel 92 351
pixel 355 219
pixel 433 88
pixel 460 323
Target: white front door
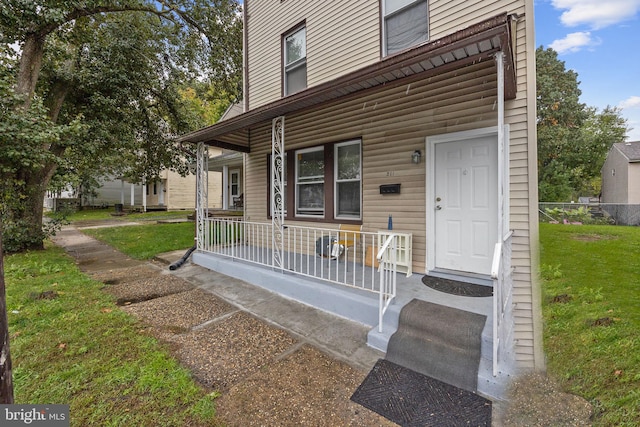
pixel 465 203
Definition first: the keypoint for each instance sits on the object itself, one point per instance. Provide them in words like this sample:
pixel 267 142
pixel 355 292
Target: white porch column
pixel 122 192
pixel 277 190
pixel 202 193
pixel 225 187
pixel 133 194
pixel 502 159
pixel 144 196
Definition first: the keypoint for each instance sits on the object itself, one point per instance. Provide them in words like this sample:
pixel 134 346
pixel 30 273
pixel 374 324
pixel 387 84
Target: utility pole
pixel 6 377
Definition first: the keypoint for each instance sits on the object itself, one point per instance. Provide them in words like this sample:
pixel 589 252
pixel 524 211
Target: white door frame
pixel 430 184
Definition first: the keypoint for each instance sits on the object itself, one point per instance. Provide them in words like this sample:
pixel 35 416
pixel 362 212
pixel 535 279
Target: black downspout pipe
pixel 176 265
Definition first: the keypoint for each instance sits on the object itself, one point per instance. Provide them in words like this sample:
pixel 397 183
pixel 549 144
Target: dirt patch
pixel 536 400
pixel 603 321
pixel 226 352
pixel 123 275
pixel 151 287
pixel 304 388
pixel 180 312
pixel 561 299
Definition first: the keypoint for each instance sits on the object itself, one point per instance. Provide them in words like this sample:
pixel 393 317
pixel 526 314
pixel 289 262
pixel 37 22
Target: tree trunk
pixel 30 65
pixel 6 376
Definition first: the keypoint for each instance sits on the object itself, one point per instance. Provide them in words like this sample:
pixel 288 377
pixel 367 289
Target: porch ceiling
pixel 476 43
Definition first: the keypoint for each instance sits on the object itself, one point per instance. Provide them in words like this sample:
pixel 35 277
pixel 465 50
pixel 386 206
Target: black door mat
pixel 412 399
pixel 457 288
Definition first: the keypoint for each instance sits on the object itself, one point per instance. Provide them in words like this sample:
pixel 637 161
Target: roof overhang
pixel 478 42
pixel 229 159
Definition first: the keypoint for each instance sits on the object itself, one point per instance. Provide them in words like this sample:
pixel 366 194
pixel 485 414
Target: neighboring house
pixel 231 167
pixel 621 183
pixel 171 192
pixel 408 115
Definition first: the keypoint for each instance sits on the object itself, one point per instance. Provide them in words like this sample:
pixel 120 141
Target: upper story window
pixel 295 60
pixel 406 24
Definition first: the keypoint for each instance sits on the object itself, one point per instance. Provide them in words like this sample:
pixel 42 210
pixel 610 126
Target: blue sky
pixel 600 40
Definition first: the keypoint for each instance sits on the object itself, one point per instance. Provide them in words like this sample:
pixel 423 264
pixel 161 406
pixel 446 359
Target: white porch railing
pixel 502 275
pixel 356 259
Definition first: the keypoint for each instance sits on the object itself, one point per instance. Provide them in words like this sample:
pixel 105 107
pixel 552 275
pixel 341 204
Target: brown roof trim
pixel 439 56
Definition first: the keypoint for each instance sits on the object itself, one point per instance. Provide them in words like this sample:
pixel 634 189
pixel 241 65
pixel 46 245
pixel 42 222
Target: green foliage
pixel 108 94
pixel 591 316
pixel 573 139
pixel 77 333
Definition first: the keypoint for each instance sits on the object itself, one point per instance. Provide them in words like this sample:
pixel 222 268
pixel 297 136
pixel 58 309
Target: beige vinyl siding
pixel 341 37
pixel 392 124
pixel 448 16
pixel 181 191
pixel 395 120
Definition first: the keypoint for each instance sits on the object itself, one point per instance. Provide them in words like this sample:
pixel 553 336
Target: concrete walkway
pixel 341 338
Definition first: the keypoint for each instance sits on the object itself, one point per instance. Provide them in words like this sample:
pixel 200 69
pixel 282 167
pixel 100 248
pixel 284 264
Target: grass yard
pixel 145 241
pixel 591 309
pixel 71 344
pixel 107 214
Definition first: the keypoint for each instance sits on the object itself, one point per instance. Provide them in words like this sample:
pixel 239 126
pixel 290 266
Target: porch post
pixel 144 195
pixel 277 191
pixel 503 223
pixel 202 193
pixel 225 187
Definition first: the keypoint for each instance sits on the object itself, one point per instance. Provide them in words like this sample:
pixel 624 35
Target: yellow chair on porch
pixel 348 237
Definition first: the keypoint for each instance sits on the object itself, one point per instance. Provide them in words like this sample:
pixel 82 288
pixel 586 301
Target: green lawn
pixel 145 241
pixel 591 309
pixel 107 214
pixel 71 344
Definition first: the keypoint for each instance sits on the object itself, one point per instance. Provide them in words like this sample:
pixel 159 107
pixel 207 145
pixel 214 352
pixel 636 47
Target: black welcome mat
pixel 412 399
pixel 457 288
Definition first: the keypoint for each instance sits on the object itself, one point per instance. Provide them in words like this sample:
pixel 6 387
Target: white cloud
pixel 596 13
pixel 574 42
pixel 631 102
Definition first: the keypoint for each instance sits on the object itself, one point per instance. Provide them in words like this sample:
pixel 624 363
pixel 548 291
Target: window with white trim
pixel 405 24
pixel 326 180
pixel 347 175
pixel 310 174
pixel 295 61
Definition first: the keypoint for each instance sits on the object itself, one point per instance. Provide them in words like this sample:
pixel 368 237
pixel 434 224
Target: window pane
pixel 310 182
pixel 349 161
pixel 391 6
pixel 296 79
pixel 311 198
pixel 296 46
pixel 407 28
pixel 348 198
pixel 311 164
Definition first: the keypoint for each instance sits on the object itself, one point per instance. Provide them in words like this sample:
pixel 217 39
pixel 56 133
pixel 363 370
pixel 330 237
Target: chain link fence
pixel 590 213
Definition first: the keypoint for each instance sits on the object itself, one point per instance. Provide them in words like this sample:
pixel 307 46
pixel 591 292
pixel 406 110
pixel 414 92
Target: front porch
pixel 343 286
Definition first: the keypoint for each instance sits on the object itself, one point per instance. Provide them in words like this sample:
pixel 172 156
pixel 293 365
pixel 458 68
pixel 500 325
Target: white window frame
pixel 388 11
pixel 336 179
pixel 320 180
pixel 289 67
